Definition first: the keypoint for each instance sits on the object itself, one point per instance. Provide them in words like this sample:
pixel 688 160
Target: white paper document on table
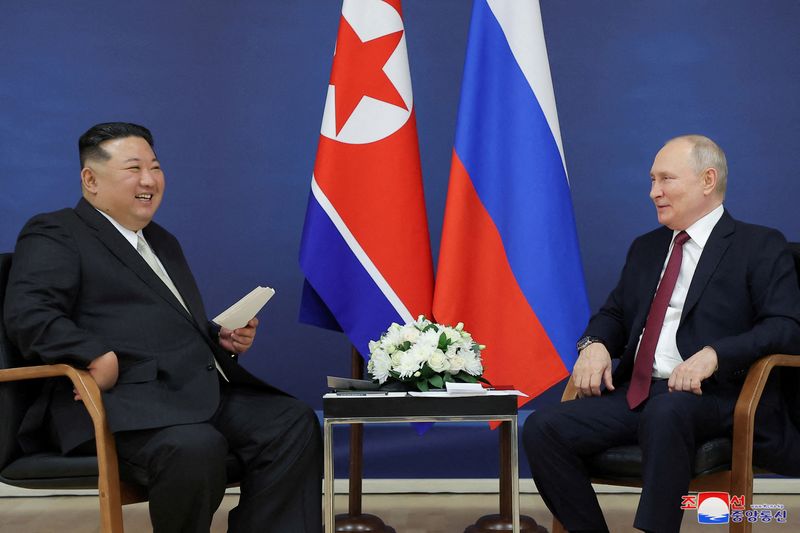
pixel 459 390
pixel 237 315
pixel 364 394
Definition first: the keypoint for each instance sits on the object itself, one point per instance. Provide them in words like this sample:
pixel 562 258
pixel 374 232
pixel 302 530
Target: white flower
pixel 453 350
pixel 473 366
pixel 438 361
pixel 396 359
pixel 407 365
pixel 420 353
pixel 429 338
pixel 409 333
pixel 452 334
pixel 379 366
pixel 403 351
pixel 457 364
pixel 392 337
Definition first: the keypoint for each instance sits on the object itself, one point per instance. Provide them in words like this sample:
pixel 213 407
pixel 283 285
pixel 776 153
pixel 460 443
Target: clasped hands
pixel 105 369
pixel 593 369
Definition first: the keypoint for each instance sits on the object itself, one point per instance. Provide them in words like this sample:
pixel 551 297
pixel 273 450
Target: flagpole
pixel 355 520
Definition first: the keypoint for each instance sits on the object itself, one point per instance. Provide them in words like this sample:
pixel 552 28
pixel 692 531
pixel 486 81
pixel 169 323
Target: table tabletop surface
pixel 408 406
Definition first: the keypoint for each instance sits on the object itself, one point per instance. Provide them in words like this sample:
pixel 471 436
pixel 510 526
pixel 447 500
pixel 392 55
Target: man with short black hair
pixel 103 287
pixel 699 300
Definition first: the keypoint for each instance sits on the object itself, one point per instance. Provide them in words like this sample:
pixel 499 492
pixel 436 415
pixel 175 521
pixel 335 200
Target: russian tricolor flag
pixel 365 249
pixel 509 263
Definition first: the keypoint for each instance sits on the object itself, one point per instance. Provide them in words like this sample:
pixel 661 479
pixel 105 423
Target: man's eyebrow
pixel 131 159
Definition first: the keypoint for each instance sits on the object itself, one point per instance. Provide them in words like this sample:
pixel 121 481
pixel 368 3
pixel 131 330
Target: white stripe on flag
pixel 521 22
pixel 359 253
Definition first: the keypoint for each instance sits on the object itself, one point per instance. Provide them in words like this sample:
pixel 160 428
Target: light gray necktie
pixel 150 258
pixel 147 254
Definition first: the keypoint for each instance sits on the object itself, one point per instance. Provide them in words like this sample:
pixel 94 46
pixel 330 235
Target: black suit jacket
pixel 743 301
pixel 78 289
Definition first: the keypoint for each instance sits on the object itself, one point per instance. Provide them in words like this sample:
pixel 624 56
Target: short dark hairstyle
pixel 89 142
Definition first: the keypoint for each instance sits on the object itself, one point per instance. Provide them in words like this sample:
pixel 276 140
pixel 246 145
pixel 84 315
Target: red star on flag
pixel 358 71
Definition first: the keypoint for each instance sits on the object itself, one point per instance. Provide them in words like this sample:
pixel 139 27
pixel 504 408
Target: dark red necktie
pixel 643 367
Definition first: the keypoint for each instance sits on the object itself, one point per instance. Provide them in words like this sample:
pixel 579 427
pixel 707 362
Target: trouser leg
pixel 670 427
pixel 557 439
pixel 183 468
pixel 278 440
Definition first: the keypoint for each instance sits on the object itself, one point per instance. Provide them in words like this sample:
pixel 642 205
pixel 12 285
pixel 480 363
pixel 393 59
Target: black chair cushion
pixel 625 462
pixel 50 471
pixel 55 471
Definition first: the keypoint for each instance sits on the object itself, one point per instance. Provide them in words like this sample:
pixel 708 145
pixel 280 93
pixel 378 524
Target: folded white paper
pixel 240 313
pixel 464 388
pixel 448 394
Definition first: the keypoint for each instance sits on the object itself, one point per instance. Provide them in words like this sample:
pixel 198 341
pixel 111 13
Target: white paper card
pixel 240 313
pixel 464 388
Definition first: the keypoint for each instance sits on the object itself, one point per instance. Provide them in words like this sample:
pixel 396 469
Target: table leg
pixel 514 476
pixel 509 517
pixel 328 473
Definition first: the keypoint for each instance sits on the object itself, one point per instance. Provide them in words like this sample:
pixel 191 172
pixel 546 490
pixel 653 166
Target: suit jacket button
pixel 210 367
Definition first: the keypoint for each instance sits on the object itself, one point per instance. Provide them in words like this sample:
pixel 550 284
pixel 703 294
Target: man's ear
pixel 88 180
pixel 709 180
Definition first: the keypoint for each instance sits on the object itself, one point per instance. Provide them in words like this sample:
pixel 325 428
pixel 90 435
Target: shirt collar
pixel 130 236
pixel 701 230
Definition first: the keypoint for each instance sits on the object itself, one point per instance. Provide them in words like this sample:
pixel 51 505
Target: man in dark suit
pixel 103 287
pixel 699 300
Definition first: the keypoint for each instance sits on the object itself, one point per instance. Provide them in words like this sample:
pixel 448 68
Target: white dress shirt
pixel 667 356
pixel 132 237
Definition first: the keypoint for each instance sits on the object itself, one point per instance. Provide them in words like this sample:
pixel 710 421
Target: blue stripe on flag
pixel 341 281
pixel 512 158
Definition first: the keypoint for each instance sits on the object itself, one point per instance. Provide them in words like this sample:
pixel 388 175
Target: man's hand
pixel 688 375
pixel 104 370
pixel 238 340
pixel 592 367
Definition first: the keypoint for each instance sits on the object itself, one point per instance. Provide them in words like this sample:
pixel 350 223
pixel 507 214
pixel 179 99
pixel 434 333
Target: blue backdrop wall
pixel 234 93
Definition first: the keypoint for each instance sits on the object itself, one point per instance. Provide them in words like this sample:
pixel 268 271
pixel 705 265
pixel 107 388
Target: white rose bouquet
pixel 426 355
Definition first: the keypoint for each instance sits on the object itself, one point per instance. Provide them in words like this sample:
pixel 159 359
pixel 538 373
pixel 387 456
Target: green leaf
pixel 436 381
pixel 422 385
pixel 466 378
pixel 404 346
pixel 444 342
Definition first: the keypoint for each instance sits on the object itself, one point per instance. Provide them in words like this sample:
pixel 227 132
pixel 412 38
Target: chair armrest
pixel 85 385
pixel 570 391
pixel 744 413
pixel 83 382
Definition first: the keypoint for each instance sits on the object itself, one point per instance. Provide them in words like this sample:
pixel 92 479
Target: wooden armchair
pixel 721 464
pixel 51 470
pixel 19 386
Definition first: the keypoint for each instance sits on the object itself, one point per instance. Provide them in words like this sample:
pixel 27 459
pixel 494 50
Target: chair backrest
pixel 15 397
pixel 790 377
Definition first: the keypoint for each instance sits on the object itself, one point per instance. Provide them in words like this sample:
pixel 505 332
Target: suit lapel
pixel 179 273
pixel 715 248
pixel 127 254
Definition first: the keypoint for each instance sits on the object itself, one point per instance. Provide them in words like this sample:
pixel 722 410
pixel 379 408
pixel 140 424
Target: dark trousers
pixel 668 427
pixel 275 437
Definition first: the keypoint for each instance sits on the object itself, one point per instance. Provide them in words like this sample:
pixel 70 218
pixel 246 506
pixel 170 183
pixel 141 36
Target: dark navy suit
pixel 744 302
